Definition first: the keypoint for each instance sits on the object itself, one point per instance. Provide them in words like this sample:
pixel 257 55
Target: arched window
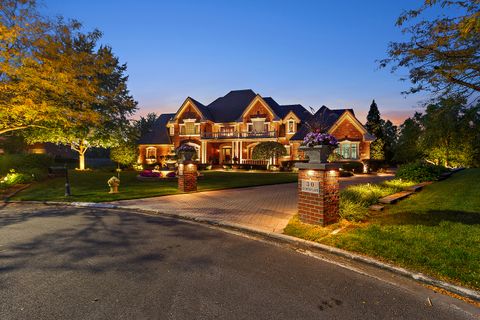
pixel 151 153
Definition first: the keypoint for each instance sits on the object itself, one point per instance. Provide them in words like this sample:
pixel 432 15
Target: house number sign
pixel 311 186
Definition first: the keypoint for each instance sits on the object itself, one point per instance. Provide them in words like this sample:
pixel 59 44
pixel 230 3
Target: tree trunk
pixel 81 159
pixel 81 155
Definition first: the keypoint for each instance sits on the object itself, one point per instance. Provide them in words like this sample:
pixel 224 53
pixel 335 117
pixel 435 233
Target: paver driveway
pixel 268 208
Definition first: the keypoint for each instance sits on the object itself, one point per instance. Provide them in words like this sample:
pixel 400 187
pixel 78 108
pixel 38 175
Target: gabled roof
pixel 302 113
pixel 159 133
pixel 325 117
pixel 231 106
pixel 203 109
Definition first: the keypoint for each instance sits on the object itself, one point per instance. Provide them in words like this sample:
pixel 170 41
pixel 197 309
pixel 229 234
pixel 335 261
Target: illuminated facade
pixel 227 130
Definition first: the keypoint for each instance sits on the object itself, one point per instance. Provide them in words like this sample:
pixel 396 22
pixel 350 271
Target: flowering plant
pixel 150 174
pixel 319 139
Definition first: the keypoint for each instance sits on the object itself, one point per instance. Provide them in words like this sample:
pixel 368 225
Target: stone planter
pixel 186 155
pixel 317 154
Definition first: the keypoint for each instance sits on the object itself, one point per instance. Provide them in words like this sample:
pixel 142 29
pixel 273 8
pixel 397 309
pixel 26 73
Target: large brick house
pixel 228 129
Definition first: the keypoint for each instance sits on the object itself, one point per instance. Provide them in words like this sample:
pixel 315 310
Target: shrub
pixel 288 165
pixel 24 162
pixel 150 174
pixel 420 171
pixel 375 165
pixel 13 178
pixel 353 166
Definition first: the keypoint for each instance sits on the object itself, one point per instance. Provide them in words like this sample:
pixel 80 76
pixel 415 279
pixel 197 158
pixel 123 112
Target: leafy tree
pixel 443 53
pixel 46 81
pixel 444 139
pixel 125 153
pixel 268 150
pixel 408 146
pixel 112 105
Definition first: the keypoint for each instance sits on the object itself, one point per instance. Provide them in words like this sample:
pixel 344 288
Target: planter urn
pixel 186 155
pixel 317 154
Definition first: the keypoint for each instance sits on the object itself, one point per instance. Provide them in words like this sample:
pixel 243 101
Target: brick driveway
pixel 268 208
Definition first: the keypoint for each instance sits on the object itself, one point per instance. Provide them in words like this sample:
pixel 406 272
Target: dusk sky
pixel 309 52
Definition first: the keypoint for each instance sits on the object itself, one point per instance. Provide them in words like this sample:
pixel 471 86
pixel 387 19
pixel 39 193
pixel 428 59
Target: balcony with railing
pixel 239 135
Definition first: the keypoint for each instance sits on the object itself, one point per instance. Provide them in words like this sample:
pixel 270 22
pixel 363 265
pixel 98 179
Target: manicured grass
pixel 91 186
pixel 436 231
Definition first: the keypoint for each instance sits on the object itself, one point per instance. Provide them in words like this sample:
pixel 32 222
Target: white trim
pixel 294 126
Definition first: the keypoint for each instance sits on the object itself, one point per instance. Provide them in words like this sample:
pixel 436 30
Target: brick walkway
pixel 267 208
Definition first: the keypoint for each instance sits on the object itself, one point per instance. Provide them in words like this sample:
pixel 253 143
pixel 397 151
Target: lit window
pixel 172 130
pixel 348 150
pixel 189 128
pixel 291 126
pixel 151 153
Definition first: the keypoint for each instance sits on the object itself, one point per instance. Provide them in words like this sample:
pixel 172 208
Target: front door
pixel 226 154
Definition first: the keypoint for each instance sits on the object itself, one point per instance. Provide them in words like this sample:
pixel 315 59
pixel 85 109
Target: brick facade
pixel 218 131
pixel 322 208
pixel 187 178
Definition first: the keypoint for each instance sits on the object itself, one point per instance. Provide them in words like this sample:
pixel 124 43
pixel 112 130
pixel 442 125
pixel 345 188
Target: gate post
pixel 187 176
pixel 318 193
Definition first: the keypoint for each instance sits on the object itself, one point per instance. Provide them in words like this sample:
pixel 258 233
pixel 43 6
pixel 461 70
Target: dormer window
pixel 291 126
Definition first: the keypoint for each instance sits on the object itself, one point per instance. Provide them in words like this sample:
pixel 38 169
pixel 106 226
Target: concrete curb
pixel 296 242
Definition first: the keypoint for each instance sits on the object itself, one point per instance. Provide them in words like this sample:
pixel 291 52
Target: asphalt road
pixel 77 263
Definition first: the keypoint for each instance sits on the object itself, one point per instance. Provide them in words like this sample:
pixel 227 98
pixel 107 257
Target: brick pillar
pixel 318 193
pixel 187 176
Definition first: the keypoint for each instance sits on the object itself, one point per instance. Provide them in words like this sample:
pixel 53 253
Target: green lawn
pixel 91 186
pixel 436 231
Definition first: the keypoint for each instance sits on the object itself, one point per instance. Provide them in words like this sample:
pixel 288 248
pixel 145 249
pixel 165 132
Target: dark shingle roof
pixel 324 116
pixel 302 113
pixel 159 133
pixel 203 109
pixel 231 106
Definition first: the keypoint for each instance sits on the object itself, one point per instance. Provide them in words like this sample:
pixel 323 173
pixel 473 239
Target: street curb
pixel 297 242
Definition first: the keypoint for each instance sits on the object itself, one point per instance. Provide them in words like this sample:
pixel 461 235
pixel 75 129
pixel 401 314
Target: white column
pixel 203 152
pixel 241 151
pixel 233 149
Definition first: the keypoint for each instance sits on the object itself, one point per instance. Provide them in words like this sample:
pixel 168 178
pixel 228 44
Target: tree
pixel 374 125
pixel 268 150
pixel 444 139
pixel 442 54
pixel 390 133
pixel 112 105
pixel 125 153
pixel 44 82
pixel 145 124
pixel 408 146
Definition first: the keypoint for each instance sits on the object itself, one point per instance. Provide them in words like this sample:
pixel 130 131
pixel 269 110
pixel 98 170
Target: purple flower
pixel 318 138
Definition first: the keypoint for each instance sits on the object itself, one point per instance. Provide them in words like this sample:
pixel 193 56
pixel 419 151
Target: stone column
pixel 318 193
pixel 187 176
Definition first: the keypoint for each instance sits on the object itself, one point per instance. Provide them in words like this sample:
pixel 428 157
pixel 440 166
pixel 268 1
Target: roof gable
pixel 200 108
pixel 329 119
